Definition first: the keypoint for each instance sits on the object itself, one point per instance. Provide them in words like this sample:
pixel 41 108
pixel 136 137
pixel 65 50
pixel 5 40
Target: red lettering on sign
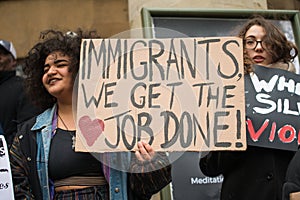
pixel 283 132
pixel 286 134
pixel 255 135
pixel 298 137
pixel 272 134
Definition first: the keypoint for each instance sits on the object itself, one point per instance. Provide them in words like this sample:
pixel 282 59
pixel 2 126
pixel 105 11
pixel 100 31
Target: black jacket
pixel 26 181
pixel 292 182
pixel 255 174
pixel 14 105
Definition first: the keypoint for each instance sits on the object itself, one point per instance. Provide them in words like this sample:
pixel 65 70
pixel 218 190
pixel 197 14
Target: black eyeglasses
pixel 252 44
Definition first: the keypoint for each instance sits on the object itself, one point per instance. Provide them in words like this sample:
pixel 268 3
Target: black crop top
pixel 65 162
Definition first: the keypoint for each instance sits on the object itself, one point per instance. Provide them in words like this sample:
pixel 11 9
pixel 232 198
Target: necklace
pixel 73 136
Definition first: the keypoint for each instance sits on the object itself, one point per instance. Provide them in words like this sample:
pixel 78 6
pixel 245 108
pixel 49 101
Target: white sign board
pixel 6 185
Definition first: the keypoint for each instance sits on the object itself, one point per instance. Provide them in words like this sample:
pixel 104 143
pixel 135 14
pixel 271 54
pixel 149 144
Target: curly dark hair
pixel 50 41
pixel 278 46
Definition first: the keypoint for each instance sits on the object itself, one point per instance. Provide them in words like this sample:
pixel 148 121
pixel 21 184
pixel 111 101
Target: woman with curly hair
pixel 257 173
pixel 43 161
pixel 275 52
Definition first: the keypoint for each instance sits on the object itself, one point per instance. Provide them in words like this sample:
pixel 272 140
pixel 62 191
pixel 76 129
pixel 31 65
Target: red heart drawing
pixel 91 130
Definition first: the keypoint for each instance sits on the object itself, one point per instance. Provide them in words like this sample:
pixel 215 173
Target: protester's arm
pixel 210 164
pixel 292 179
pixel 150 172
pixel 216 163
pixel 20 171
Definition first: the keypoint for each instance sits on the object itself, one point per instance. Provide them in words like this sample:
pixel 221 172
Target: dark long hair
pixel 278 46
pixel 50 41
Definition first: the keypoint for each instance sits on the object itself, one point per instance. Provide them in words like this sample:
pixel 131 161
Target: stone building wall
pixel 22 20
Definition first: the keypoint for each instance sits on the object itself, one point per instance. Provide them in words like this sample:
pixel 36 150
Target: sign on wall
pixel 6 186
pixel 273 108
pixel 188 181
pixel 176 94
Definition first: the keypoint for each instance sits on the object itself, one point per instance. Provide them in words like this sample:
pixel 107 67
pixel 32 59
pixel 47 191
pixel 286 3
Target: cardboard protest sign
pixel 176 94
pixel 6 185
pixel 273 108
pixel 295 196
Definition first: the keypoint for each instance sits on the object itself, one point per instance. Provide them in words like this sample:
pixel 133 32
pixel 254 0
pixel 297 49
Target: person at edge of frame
pixel 291 185
pixel 43 160
pixel 15 106
pixel 257 173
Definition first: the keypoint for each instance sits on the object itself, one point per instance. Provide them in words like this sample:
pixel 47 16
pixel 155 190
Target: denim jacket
pixel 43 126
pixel 29 155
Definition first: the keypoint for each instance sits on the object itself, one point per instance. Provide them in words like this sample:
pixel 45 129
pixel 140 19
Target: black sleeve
pixel 292 182
pixel 216 163
pixel 148 178
pixel 23 163
pixel 20 172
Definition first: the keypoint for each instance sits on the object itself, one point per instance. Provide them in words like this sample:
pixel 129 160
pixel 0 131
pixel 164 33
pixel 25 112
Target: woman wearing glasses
pixel 257 173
